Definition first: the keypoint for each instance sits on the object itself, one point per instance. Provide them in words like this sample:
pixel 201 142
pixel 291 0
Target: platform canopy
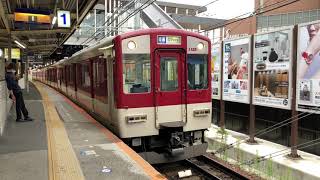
pixel 30 22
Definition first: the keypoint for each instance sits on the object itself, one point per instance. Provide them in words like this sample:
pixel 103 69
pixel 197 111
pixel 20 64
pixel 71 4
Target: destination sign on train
pixel 172 40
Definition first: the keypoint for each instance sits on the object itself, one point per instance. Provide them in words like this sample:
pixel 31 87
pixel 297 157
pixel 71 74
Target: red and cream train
pixel 151 87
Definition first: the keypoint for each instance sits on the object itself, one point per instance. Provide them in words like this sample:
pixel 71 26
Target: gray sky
pixel 224 9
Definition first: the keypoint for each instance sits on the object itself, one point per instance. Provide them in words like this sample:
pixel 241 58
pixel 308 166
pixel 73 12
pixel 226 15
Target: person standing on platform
pixel 16 94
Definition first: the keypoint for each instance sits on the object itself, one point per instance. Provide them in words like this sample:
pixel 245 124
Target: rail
pixel 214 169
pixel 202 167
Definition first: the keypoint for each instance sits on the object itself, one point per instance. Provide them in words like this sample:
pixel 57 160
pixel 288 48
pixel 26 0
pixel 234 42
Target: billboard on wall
pixel 272 61
pixel 215 70
pixel 236 66
pixel 308 67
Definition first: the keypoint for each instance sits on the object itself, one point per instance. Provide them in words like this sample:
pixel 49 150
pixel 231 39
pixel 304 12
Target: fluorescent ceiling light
pixel 54 20
pixel 19 44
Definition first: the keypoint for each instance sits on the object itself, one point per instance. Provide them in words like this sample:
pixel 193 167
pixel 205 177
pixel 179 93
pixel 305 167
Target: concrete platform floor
pixel 276 166
pixel 66 139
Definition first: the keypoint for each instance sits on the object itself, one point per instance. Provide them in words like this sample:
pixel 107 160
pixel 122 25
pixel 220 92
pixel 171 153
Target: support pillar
pixel 95 20
pixel 112 15
pixel 106 16
pixel 27 74
pixel 2 64
pixel 252 116
pixel 222 105
pixel 137 24
pixel 117 19
pixel 9 48
pixel 294 113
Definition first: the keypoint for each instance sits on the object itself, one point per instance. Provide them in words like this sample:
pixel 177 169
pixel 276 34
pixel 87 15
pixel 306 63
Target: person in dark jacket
pixel 16 94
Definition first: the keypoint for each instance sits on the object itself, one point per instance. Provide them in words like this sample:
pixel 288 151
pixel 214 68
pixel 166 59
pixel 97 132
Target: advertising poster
pixel 15 53
pixel 236 65
pixel 215 70
pixel 272 65
pixel 308 70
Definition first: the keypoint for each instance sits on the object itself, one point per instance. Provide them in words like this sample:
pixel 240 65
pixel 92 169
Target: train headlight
pixel 132 45
pixel 200 46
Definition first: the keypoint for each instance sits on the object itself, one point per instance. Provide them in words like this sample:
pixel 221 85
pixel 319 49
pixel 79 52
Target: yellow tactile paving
pixel 63 163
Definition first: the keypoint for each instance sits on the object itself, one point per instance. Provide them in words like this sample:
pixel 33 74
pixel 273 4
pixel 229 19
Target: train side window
pixel 197 71
pixel 169 73
pixel 100 79
pixel 136 73
pixel 71 75
pixel 85 76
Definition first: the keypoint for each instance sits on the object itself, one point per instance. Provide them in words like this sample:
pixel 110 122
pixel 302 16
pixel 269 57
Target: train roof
pixel 93 50
pixel 162 31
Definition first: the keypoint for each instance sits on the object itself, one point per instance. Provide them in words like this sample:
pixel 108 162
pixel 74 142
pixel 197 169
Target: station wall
pixel 5 103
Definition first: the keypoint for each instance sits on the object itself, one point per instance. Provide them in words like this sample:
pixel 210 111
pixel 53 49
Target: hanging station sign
pixel 64 19
pixel 236 67
pixel 215 70
pixel 308 68
pixel 272 61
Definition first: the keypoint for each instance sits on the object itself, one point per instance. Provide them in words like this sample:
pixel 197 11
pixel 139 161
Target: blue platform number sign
pixel 63 19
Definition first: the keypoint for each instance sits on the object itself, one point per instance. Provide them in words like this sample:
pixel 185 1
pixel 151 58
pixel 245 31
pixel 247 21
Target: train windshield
pixel 197 71
pixel 136 73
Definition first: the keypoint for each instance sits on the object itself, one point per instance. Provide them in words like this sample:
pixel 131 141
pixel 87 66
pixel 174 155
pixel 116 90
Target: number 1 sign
pixel 63 18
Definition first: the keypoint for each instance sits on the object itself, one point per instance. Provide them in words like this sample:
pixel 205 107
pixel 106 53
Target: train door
pixel 170 99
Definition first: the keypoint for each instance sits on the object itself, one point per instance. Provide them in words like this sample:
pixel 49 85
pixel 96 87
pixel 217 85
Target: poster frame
pixel 297 65
pixel 249 37
pixel 290 70
pixel 219 96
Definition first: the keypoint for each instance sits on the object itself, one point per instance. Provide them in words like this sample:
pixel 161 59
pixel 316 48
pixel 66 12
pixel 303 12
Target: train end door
pixel 170 99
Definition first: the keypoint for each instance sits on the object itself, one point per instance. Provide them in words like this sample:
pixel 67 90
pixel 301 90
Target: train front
pixel 163 92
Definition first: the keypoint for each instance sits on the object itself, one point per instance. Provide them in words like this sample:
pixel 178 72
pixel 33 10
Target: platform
pixel 64 142
pixel 278 167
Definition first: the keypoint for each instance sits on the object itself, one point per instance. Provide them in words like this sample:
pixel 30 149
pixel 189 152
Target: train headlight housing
pixel 136 142
pixel 200 46
pixel 131 45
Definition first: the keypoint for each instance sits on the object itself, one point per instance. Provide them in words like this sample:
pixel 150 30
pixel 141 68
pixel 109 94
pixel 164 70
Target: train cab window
pixel 197 71
pixel 169 74
pixel 136 73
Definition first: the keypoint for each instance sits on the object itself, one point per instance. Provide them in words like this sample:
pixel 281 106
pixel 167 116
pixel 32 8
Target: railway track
pixel 214 169
pixel 202 168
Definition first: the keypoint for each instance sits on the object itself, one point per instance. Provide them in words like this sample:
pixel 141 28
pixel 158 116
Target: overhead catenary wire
pixel 281 152
pixel 139 11
pixel 257 9
pixel 255 13
pixel 143 6
pixel 195 10
pixel 248 13
pixel 131 14
pixel 262 132
pixel 123 9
